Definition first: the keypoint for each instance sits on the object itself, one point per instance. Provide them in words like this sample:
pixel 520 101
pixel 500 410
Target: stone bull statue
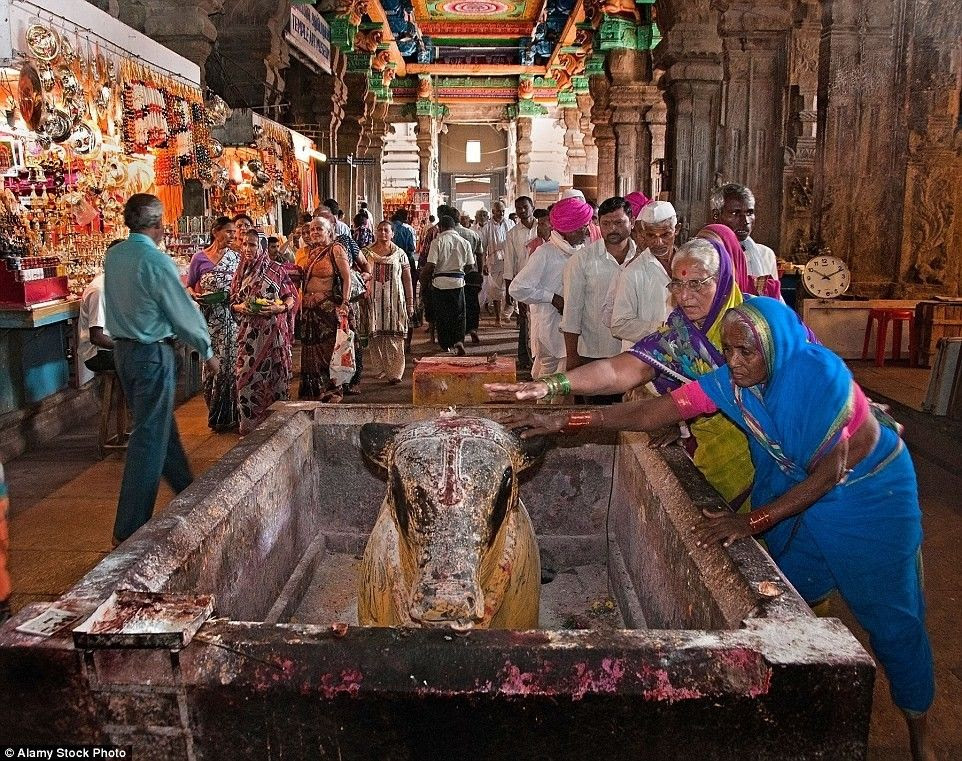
pixel 453 545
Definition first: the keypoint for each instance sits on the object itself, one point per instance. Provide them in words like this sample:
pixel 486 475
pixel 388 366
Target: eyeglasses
pixel 695 286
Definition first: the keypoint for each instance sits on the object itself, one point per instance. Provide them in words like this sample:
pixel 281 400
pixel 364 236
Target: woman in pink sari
pixel 265 333
pixel 725 237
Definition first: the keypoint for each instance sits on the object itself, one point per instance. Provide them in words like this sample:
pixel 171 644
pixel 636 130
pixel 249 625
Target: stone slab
pixel 459 380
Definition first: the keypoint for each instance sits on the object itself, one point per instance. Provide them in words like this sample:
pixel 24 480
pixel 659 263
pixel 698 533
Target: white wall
pixel 549 157
pixel 399 162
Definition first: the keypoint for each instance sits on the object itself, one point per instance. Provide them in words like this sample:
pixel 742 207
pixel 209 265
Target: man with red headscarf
pixel 540 283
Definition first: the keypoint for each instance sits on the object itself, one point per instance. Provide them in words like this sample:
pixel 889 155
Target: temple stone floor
pixel 63 498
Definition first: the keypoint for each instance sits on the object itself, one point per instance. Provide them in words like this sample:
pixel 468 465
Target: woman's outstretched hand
pixel 516 392
pixel 536 424
pixel 721 526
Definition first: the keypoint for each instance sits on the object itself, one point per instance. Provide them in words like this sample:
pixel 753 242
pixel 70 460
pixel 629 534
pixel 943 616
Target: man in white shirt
pixel 449 259
pixel 641 299
pixel 493 236
pixel 733 205
pixel 587 278
pixel 540 283
pixel 95 348
pixel 515 257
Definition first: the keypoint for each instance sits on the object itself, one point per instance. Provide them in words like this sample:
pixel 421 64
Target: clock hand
pixel 830 275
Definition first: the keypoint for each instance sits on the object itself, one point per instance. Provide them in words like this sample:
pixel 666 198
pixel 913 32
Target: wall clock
pixel 826 277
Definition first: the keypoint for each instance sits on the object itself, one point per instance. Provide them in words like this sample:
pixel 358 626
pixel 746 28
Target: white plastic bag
pixel 342 361
pixel 487 291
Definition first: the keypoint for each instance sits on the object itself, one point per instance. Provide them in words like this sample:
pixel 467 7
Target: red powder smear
pixel 663 689
pixel 607 680
pixel 349 683
pixel 684 272
pixel 514 682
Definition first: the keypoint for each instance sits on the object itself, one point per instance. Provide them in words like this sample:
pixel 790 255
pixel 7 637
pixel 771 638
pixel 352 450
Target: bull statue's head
pixel 452 487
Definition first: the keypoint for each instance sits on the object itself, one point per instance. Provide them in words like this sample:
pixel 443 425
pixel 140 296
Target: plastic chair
pixel 113 404
pixel 882 318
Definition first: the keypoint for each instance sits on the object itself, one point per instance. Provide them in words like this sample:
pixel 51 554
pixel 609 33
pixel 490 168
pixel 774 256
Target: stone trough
pixel 650 647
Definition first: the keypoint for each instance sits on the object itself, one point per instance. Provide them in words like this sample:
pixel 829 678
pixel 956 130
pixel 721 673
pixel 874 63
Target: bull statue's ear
pixel 532 450
pixel 376 441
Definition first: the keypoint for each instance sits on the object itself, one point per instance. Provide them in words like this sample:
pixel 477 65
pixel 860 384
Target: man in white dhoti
pixel 540 283
pixel 493 236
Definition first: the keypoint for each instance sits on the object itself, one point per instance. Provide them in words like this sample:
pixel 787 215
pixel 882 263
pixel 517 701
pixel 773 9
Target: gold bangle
pixel 578 420
pixel 760 521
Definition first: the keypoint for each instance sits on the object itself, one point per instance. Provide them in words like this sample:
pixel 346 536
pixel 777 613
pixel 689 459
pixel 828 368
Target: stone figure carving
pixel 930 226
pixel 801 191
pixel 453 545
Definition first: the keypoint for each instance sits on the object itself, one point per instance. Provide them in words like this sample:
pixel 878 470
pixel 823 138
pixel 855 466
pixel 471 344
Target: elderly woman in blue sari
pixel 835 494
pixel 687 347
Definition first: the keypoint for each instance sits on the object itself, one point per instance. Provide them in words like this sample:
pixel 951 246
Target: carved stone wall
pixel 862 137
pixel 796 242
pixel 931 252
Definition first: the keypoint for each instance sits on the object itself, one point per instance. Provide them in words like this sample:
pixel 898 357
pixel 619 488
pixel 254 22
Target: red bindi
pixel 684 272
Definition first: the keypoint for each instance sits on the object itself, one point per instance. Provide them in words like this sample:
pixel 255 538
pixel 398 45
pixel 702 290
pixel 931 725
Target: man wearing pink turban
pixel 638 202
pixel 540 283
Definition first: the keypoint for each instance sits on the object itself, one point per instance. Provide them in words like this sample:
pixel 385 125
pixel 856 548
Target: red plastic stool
pixel 882 317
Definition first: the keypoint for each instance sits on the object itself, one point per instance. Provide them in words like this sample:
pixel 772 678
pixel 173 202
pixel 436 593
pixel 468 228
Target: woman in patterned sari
pixel 266 332
pixel 209 281
pixel 321 315
pixel 688 347
pixel 390 303
pixel 835 495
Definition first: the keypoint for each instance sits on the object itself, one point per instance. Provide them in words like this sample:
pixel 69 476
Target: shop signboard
pixel 308 32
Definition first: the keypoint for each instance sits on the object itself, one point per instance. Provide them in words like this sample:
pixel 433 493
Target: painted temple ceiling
pixel 526 54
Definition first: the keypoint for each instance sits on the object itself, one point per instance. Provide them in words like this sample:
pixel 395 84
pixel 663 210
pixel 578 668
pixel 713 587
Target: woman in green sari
pixel 686 348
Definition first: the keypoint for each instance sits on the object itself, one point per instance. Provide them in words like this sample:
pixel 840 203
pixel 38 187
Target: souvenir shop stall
pixel 263 169
pixel 416 202
pixel 92 112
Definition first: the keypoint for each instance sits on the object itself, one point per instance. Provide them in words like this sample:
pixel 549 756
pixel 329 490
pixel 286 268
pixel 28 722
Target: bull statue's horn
pixel 376 441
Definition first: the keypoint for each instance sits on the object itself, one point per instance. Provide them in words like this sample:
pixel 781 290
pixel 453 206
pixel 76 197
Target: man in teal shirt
pixel 146 307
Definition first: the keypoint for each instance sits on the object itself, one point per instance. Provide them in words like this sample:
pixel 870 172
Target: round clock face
pixel 826 277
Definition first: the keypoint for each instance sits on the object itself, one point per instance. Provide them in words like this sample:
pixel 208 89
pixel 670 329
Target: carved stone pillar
pixel 248 64
pixel 754 37
pixel 574 141
pixel 428 157
pixel 632 95
pixel 511 180
pixel 585 104
pixel 694 102
pixel 522 182
pixel 656 124
pixel 862 140
pixel 109 6
pixel 690 54
pixel 184 26
pixel 604 136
